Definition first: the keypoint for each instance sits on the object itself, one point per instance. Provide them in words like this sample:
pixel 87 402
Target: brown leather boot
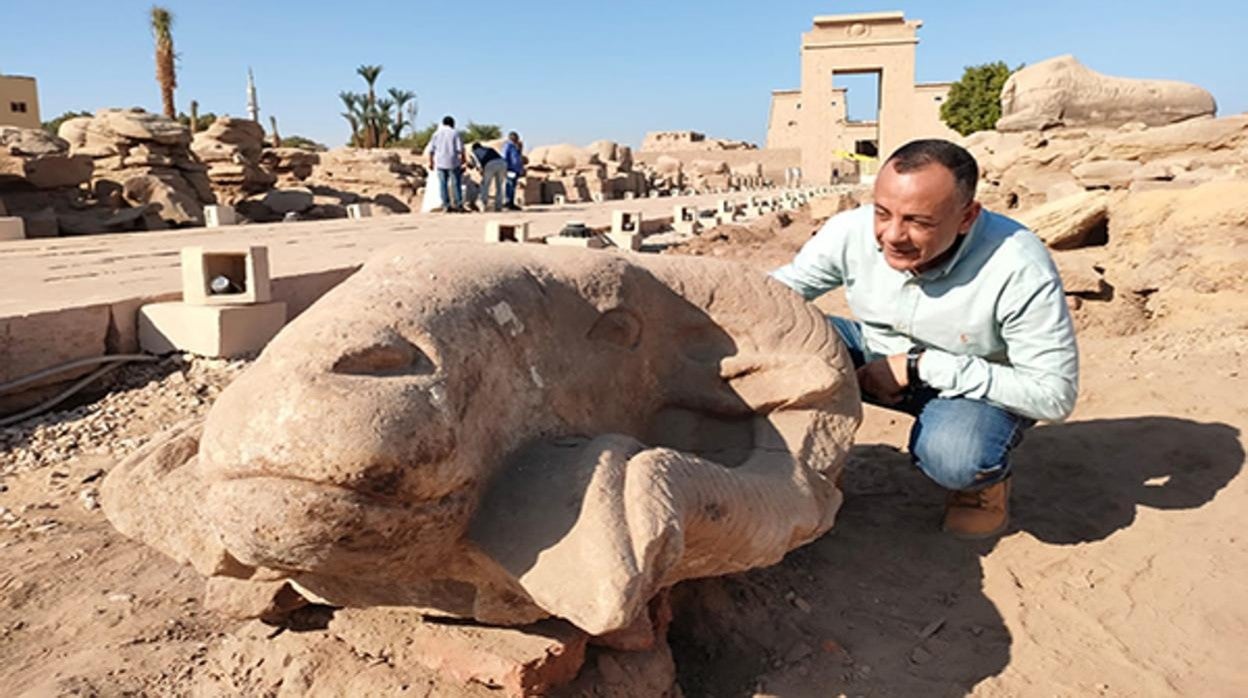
pixel 974 514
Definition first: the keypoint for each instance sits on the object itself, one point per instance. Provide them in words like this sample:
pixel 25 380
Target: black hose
pixel 39 375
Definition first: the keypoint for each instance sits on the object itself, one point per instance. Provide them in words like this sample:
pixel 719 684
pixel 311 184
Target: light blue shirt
pixel 993 318
pixel 446 146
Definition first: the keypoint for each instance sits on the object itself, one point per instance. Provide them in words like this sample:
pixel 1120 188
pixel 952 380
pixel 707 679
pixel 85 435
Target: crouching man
pixel 959 320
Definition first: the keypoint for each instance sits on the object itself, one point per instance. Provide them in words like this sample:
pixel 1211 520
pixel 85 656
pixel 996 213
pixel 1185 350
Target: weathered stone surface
pixel 165 472
pixel 1199 138
pixel 825 207
pixel 604 168
pixel 1080 272
pixel 245 599
pixel 283 201
pixel 521 661
pixel 1190 238
pixel 637 435
pixel 289 165
pixel 30 141
pixel 231 149
pixel 1066 223
pixel 1062 92
pixel 707 167
pixel 561 156
pixel 167 195
pixel 381 176
pixel 1109 174
pixel 34 158
pixel 139 125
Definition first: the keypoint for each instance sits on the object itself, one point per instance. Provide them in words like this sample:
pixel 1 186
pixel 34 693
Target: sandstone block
pixel 209 330
pixel 12 228
pixel 1110 174
pixel 507 231
pixel 241 272
pixel 626 221
pixel 1066 223
pixel 217 216
pixel 522 662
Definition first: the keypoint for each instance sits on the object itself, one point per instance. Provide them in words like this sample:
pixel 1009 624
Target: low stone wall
pixel 42 340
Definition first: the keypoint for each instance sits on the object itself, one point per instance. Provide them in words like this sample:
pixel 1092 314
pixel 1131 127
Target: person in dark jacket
pixel 513 155
pixel 493 172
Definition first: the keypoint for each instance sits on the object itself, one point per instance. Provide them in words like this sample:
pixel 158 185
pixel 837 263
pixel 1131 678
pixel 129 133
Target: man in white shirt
pixel 446 156
pixel 961 321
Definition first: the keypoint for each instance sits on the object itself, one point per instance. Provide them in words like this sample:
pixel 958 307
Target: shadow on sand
pixel 849 612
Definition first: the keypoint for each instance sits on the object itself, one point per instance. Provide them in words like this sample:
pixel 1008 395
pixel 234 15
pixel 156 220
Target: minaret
pixel 253 107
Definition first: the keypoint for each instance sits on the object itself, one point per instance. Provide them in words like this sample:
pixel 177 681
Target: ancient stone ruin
pixel 514 436
pixel 1134 184
pixel 129 170
pixel 602 170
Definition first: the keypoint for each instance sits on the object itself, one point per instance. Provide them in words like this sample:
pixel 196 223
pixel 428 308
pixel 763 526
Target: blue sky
pixel 572 71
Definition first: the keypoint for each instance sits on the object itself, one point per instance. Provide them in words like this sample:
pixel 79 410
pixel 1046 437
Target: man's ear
pixel 969 216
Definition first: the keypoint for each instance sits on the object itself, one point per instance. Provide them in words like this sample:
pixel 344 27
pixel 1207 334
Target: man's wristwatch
pixel 913 382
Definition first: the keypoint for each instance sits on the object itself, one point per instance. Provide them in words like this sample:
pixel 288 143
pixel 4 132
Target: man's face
pixel 919 215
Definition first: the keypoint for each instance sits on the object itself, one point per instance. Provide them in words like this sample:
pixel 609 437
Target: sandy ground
pixel 1121 575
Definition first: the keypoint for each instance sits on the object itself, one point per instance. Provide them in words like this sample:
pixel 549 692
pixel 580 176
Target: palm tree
pixel 372 118
pixel 351 101
pixel 370 74
pixel 166 74
pixel 381 122
pixel 401 98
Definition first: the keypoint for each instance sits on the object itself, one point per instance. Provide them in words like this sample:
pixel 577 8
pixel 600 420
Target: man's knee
pixel 959 459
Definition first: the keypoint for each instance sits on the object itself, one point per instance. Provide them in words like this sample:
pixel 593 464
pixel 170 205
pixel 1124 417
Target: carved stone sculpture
pixel 1061 91
pixel 508 433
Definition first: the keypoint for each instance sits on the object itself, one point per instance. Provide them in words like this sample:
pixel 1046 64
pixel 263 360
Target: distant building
pixel 19 101
pixel 815 118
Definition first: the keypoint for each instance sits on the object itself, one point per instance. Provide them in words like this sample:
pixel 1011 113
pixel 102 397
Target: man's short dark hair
pixel 953 157
pixel 448 121
pixel 513 135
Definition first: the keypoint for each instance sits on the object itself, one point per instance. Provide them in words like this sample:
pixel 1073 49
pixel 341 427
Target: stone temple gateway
pixel 815 118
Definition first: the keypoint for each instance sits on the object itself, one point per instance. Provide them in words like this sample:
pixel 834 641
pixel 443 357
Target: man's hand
pixel 884 379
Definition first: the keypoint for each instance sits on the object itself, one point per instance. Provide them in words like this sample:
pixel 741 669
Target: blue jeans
pixel 960 443
pixel 456 175
pixel 512 178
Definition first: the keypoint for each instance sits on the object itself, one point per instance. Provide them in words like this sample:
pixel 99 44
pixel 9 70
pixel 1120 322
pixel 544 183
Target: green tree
pixel 166 73
pixel 377 123
pixel 473 132
pixel 55 125
pixel 974 101
pixel 417 139
pixel 404 111
pixel 304 143
pixel 202 121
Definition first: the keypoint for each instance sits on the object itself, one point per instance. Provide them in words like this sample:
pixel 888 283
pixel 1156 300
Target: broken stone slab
pixel 1110 174
pixel 270 601
pixel 526 661
pixel 1080 272
pixel 1068 222
pixel 283 201
pixel 168 197
pixel 137 124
